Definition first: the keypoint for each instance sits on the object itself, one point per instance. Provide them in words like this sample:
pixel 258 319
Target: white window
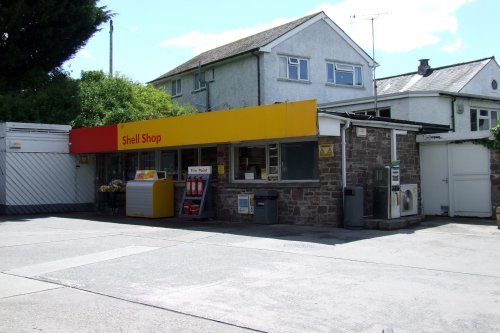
pixel 292 161
pixel 483 119
pixel 199 80
pixel 176 87
pixel 294 68
pixel 342 74
pixel 382 112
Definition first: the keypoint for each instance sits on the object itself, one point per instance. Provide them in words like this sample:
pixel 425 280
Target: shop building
pixel 307 156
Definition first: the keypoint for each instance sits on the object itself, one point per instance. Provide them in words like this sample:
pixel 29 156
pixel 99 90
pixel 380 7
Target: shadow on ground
pixel 311 234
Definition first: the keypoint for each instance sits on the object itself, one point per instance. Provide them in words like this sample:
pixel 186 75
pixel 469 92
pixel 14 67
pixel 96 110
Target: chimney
pixel 424 68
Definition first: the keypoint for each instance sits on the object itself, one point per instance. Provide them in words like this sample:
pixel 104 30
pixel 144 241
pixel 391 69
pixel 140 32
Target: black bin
pixel 266 207
pixel 353 207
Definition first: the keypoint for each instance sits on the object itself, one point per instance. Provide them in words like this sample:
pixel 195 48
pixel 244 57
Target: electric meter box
pixel 148 196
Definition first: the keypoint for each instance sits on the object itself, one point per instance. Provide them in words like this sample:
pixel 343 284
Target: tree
pixel 109 100
pixel 37 37
pixel 55 100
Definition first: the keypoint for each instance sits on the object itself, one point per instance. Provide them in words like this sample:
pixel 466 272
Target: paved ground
pixel 87 273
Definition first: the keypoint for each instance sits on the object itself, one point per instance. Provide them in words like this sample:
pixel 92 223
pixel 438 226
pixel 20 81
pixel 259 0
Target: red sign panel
pixel 93 139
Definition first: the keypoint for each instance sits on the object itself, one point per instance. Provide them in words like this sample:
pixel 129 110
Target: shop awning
pixel 276 121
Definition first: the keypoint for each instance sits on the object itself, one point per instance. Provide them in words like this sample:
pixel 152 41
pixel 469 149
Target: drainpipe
pixel 344 158
pixel 453 113
pixel 258 77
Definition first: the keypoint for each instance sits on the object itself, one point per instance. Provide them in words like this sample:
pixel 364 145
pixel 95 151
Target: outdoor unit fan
pixel 409 199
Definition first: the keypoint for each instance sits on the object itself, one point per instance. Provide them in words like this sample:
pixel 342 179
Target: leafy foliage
pixel 110 100
pixel 495 143
pixel 55 101
pixel 36 37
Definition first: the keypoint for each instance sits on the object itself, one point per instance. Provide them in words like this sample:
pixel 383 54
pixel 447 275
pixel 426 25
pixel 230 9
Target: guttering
pixel 258 77
pixel 453 100
pixel 374 123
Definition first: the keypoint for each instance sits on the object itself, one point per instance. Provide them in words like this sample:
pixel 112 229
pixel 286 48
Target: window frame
pixel 176 87
pixel 477 118
pixel 268 144
pixel 198 83
pixel 299 63
pixel 333 67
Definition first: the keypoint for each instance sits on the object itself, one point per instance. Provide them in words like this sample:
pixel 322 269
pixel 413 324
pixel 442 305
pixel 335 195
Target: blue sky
pixel 153 36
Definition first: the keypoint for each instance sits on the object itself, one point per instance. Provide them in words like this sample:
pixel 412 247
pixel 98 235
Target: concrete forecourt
pixel 100 273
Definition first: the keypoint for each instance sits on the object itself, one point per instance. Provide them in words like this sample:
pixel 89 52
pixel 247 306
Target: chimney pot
pixel 424 68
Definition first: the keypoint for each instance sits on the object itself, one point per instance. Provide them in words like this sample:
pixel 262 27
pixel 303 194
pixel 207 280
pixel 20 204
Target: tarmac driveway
pixel 91 273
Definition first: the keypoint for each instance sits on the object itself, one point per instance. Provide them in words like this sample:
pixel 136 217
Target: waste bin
pixel 353 207
pixel 266 207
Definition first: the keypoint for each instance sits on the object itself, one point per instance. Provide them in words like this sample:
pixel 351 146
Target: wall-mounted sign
pixel 220 169
pixel 199 170
pixel 326 150
pixel 361 132
pixel 14 144
pixel 83 159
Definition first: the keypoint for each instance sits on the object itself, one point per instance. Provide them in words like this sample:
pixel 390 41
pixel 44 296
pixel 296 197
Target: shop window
pixel 250 162
pixel 130 165
pixel 169 163
pixel 189 157
pixel 299 161
pixel 208 156
pixel 108 168
pixel 147 160
pixel 275 161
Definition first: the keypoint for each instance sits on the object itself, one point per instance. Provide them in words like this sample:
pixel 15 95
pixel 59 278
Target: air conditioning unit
pixel 409 199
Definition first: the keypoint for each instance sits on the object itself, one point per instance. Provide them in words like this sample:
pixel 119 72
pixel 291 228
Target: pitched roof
pixel 451 78
pixel 244 45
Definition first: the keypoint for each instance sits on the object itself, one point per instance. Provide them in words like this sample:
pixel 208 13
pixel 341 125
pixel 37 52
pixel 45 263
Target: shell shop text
pixel 138 138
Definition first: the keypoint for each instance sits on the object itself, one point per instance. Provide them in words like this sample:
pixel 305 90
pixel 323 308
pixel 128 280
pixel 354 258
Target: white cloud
pixel 400 26
pixel 453 47
pixel 85 53
pixel 200 41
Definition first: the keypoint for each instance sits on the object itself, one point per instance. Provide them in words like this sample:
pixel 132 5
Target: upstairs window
pixel 293 68
pixel 482 119
pixel 199 80
pixel 176 88
pixel 342 74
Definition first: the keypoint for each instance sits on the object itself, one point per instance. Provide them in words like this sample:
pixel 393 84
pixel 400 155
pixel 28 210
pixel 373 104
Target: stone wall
pixel 365 153
pixel 311 203
pixel 320 202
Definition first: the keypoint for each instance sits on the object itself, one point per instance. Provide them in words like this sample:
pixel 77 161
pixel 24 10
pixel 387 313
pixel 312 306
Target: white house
pixel 457 178
pixel 309 58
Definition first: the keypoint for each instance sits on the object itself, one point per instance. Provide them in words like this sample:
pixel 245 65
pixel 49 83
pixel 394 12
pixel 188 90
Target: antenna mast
pixel 372 18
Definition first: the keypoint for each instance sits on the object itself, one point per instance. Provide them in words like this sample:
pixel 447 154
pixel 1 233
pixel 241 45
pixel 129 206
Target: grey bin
pixel 266 207
pixel 353 207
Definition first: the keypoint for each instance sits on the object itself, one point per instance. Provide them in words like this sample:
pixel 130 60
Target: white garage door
pixel 455 179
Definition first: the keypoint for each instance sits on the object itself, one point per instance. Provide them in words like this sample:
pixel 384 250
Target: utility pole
pixel 111 48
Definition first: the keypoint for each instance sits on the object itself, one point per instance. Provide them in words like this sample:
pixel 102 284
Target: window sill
pixel 198 90
pixel 294 81
pixel 176 96
pixel 270 184
pixel 329 84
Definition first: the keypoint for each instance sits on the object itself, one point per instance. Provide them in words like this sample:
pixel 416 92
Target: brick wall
pixel 495 178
